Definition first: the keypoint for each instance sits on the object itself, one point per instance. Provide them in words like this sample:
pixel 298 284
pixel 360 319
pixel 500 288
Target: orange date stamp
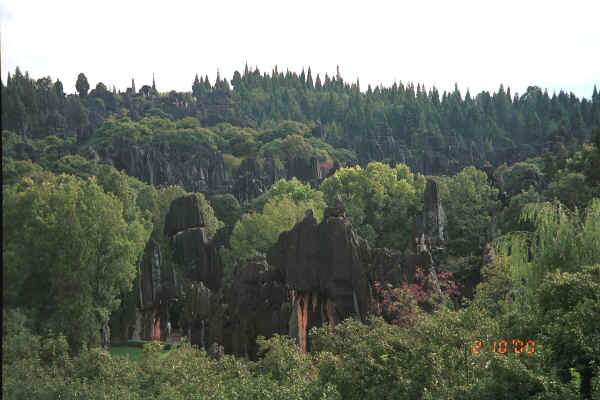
pixel 503 346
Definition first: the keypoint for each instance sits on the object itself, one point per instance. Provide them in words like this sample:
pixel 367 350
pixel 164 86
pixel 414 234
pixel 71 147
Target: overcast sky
pixel 477 44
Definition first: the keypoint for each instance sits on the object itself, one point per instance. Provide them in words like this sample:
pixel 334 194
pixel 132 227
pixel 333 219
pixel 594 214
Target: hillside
pixel 308 238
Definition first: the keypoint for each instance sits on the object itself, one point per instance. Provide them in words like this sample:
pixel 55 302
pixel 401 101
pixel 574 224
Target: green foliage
pixel 468 202
pixel 82 85
pixel 381 201
pixel 284 129
pixel 579 181
pixel 70 245
pixel 241 142
pixel 226 208
pixel 520 176
pixel 298 191
pixel 431 360
pixel 18 340
pixel 9 140
pixel 329 110
pixel 293 146
pixel 569 309
pixel 286 204
pixel 13 171
pixel 290 140
pixel 68 254
pixel 182 135
pixel 570 189
pixel 369 362
pixel 231 162
pixel 510 219
pixel 211 222
pixel 563 240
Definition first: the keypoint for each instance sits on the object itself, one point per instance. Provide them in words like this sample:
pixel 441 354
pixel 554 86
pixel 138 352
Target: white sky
pixel 478 44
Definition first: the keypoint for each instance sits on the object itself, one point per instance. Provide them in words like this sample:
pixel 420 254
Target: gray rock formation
pixel 201 266
pixel 184 213
pixel 256 302
pixel 433 222
pixel 437 155
pixel 249 181
pixel 198 256
pixel 305 170
pixel 158 285
pixel 198 168
pixel 322 268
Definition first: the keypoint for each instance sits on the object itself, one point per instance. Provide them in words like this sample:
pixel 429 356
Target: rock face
pixel 184 224
pixel 391 266
pixel 442 155
pixel 196 310
pixel 196 169
pixel 305 170
pixel 184 213
pixel 256 304
pixel 433 222
pixel 202 267
pixel 322 268
pixel 251 180
pixel 158 285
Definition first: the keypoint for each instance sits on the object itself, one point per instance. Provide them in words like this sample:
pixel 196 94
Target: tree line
pixel 416 117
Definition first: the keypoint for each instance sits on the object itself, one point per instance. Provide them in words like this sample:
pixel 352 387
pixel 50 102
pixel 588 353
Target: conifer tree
pixel 82 85
pixel 309 80
pixel 196 88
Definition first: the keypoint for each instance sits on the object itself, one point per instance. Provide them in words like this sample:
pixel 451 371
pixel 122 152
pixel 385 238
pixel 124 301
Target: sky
pixel 476 44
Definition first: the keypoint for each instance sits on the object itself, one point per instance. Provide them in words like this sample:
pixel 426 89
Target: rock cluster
pixel 432 223
pixel 196 169
pixel 322 268
pixel 256 300
pixel 316 273
pixel 439 157
pixel 158 285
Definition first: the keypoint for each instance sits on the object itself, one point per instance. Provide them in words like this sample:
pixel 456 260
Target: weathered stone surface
pixel 253 303
pixel 433 222
pixel 305 170
pixel 338 210
pixel 199 257
pixel 249 181
pixel 272 171
pixel 196 310
pixel 158 285
pixel 445 155
pixel 198 168
pixel 324 259
pixel 184 213
pixel 222 237
pixel 190 246
pixel 157 278
pixel 200 263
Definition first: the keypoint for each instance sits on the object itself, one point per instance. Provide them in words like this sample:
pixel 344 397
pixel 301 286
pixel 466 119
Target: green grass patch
pixel 134 349
pixel 134 353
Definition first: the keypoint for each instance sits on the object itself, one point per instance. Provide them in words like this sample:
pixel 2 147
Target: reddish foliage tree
pixel 397 305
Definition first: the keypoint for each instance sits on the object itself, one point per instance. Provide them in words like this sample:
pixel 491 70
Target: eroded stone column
pixel 330 316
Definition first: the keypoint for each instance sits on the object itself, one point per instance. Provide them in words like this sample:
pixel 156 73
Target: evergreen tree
pixel 196 88
pixel 82 85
